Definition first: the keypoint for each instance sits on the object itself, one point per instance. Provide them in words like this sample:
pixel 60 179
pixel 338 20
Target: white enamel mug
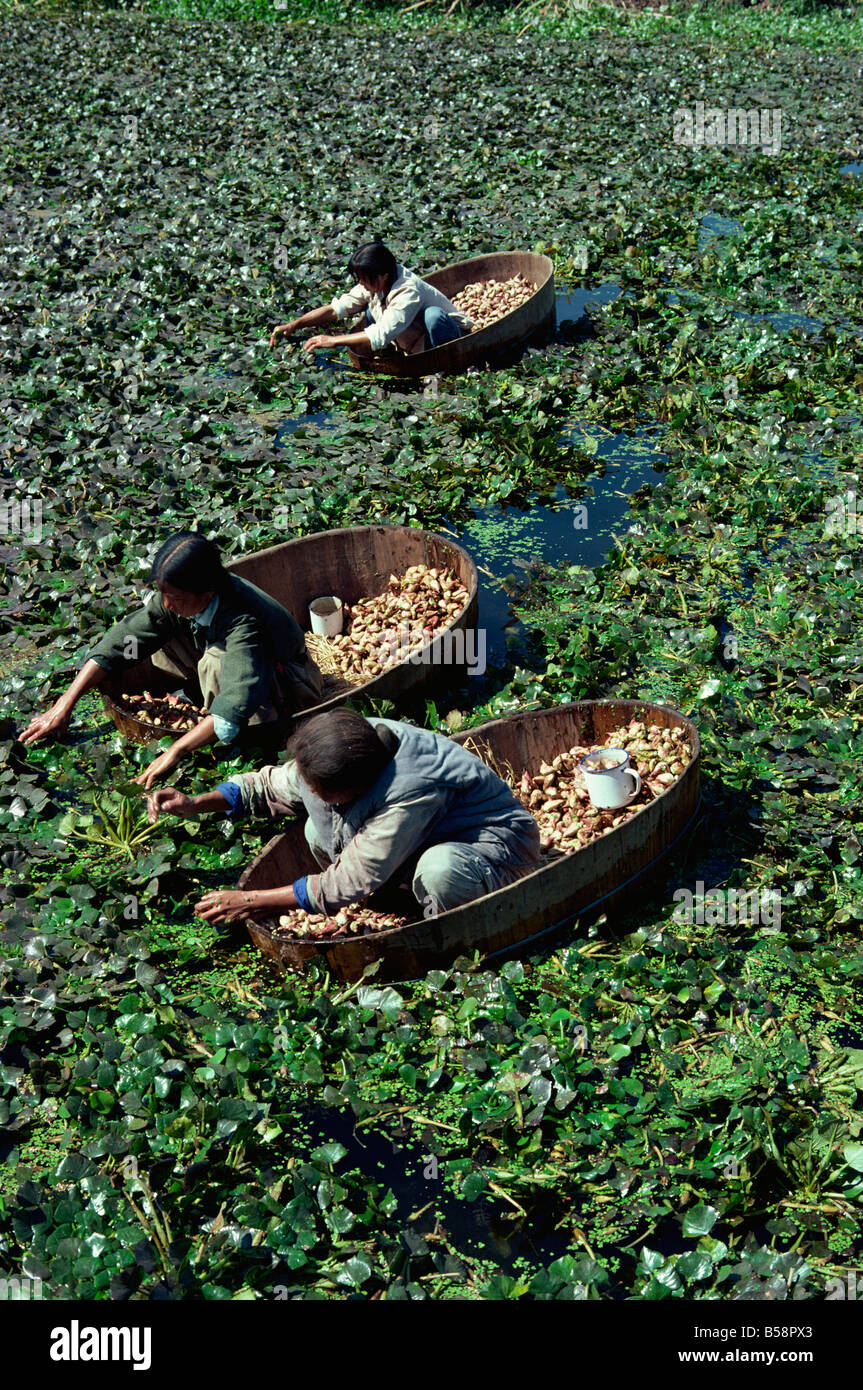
pixel 326 615
pixel 605 775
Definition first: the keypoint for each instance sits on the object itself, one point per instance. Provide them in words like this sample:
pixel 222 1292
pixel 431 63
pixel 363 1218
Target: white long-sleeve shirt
pixel 408 297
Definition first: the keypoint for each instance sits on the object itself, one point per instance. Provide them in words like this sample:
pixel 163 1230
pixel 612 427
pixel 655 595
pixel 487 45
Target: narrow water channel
pixel 505 541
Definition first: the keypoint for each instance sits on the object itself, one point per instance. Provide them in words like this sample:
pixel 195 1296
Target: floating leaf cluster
pixel 667 1106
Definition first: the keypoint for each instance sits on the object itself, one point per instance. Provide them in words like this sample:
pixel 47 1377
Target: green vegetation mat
pixel 647 1108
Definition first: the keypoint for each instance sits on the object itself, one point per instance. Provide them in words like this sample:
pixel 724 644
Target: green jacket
pixel 259 636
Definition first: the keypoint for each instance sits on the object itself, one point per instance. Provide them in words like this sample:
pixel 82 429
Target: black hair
pixel 340 751
pixel 188 561
pixel 373 259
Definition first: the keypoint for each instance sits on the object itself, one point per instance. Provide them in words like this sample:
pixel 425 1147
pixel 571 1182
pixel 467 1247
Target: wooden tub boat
pixel 354 562
pixel 604 876
pixel 507 332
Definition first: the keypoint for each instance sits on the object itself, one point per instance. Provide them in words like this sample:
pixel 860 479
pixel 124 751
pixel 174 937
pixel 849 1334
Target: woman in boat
pixel 399 309
pixel 384 802
pixel 216 633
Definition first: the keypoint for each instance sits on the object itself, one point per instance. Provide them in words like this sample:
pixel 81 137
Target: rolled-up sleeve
pixel 375 853
pixel 271 791
pixel 398 315
pixel 224 729
pixel 231 792
pixel 350 303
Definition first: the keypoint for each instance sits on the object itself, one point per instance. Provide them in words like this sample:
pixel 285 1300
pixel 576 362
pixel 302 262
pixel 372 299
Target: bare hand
pixel 287 328
pixel 225 905
pixel 171 802
pixel 54 721
pixel 157 769
pixel 320 340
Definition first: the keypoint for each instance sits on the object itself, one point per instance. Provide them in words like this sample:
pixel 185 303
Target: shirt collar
pixel 400 275
pixel 205 617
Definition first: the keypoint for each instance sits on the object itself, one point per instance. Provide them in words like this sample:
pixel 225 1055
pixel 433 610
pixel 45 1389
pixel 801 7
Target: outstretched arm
pixel 137 635
pixel 195 738
pixel 56 720
pixel 222 905
pixel 255 792
pixel 226 904
pixel 359 341
pixel 170 801
pixel 313 319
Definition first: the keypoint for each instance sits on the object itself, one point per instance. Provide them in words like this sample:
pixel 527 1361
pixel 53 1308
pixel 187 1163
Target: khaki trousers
pixel 442 876
pixel 295 687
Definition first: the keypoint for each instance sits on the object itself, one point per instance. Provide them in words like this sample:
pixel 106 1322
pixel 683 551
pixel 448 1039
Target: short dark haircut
pixel 340 751
pixel 373 259
pixel 190 562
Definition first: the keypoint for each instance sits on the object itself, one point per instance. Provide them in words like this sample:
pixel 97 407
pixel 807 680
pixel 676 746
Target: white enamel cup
pixel 607 786
pixel 326 615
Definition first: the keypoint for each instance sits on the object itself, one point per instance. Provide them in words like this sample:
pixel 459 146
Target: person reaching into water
pixel 384 802
pixel 242 654
pixel 398 308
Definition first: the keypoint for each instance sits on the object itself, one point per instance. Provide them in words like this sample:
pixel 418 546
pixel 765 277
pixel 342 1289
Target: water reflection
pixel 300 424
pixel 784 322
pixel 571 306
pixel 577 526
pixel 713 226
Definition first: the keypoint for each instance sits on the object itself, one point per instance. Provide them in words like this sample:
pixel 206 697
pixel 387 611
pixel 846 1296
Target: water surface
pixel 577 526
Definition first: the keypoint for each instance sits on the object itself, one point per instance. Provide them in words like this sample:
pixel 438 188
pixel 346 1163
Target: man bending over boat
pixel 213 633
pixel 384 802
pixel 398 308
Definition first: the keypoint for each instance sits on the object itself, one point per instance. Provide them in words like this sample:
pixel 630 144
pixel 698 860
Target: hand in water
pixel 54 721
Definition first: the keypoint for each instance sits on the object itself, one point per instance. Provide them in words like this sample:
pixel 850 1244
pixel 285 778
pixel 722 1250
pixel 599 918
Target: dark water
pixel 785 322
pixel 676 294
pixel 855 167
pixel 570 529
pixel 571 306
pixel 713 226
pixel 298 424
pixel 488 1228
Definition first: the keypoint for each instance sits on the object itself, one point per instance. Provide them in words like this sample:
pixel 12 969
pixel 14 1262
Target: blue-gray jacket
pixel 432 792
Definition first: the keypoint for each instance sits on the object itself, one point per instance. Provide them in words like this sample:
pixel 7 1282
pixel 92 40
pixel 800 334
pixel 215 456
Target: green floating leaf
pixel 329 1153
pixel 853 1155
pixel 694 1265
pixel 700 1221
pixel 709 689
pixel 473 1185
pixel 355 1272
pixel 513 971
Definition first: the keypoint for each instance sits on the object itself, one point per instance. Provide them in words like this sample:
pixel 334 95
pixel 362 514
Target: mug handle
pixel 631 772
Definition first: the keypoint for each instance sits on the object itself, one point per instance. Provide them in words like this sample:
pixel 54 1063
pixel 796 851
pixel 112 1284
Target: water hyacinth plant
pixel 646 1108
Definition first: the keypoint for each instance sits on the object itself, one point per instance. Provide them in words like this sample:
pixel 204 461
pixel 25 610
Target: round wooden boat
pixel 506 332
pixel 606 875
pixel 354 562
